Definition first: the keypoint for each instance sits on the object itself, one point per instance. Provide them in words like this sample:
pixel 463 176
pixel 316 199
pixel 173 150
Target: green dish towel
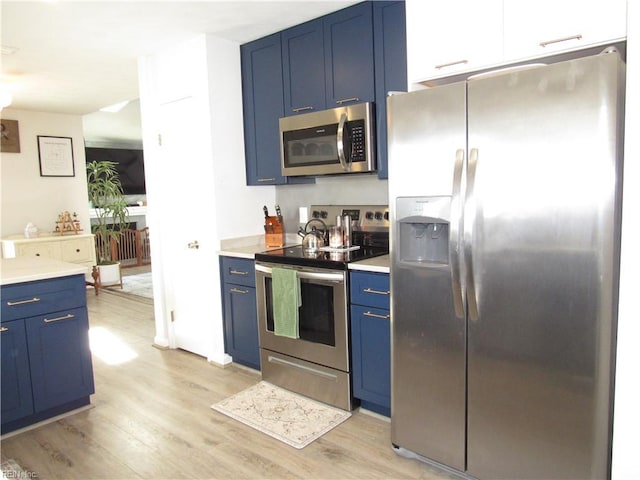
pixel 285 288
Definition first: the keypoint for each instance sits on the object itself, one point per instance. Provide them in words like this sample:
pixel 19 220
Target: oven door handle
pixel 329 276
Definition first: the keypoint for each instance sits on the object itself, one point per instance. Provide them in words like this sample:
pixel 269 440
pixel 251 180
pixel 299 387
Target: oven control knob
pixel 324 214
pixel 378 215
pixel 368 215
pixel 386 216
pixel 315 214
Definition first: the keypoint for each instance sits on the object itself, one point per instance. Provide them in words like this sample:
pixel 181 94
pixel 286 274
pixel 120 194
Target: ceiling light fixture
pixel 116 107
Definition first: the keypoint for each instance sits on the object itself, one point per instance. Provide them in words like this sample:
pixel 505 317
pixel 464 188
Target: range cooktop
pixel 337 260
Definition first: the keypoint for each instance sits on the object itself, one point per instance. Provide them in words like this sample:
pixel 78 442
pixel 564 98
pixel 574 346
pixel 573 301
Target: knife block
pixel 274 232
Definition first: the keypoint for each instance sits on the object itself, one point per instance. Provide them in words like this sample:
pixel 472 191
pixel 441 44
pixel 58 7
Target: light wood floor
pixel 151 418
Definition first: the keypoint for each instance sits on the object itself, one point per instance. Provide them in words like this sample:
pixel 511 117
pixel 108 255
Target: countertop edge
pixel 31 269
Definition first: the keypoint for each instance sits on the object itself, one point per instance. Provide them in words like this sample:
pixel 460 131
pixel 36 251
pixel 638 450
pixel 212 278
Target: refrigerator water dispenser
pixel 423 229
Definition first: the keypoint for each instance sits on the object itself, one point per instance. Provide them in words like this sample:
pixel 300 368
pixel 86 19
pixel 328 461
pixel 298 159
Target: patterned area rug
pixel 140 285
pixel 287 416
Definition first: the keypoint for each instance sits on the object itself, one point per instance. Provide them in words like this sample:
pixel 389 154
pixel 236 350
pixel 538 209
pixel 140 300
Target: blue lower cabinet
pixel 240 311
pixel 46 358
pixel 371 355
pixel 17 399
pixel 60 358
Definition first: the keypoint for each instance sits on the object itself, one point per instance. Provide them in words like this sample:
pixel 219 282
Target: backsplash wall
pixel 345 189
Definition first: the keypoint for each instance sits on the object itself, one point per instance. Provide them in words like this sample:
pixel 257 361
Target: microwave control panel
pixel 357 140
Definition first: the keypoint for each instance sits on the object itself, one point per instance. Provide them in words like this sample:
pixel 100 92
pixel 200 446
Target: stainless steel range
pixel 316 362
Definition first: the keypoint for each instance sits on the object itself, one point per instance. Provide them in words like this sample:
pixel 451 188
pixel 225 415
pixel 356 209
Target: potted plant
pixel 107 199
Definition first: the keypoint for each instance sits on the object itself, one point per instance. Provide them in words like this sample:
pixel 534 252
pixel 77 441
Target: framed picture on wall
pixel 10 136
pixel 56 156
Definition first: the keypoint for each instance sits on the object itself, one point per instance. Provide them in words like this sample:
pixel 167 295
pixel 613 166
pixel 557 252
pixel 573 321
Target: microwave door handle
pixel 340 142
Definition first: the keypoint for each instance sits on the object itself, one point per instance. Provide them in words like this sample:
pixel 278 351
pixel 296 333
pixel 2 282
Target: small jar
pixel 335 237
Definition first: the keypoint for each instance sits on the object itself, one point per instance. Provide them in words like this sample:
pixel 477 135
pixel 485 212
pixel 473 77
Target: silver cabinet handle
pixel 238 272
pixel 4 329
pixel 451 64
pixel 302 109
pixel 469 224
pixel 560 40
pixel 266 180
pixel 193 244
pixel 345 100
pixel 22 302
pixel 236 290
pixel 377 292
pixel 376 315
pixel 57 319
pixel 454 238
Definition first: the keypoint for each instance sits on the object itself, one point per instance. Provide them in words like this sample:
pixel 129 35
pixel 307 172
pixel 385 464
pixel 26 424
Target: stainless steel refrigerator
pixel 505 201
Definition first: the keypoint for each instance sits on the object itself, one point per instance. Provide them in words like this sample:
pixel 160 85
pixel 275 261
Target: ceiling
pixel 76 57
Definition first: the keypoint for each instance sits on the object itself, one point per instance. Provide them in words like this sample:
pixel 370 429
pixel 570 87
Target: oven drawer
pixel 239 271
pixel 310 379
pixel 371 289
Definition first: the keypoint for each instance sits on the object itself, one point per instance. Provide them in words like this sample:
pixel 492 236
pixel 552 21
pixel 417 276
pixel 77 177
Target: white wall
pixel 28 197
pixel 331 190
pixel 207 70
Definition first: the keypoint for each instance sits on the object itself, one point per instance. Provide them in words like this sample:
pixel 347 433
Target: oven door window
pixel 316 314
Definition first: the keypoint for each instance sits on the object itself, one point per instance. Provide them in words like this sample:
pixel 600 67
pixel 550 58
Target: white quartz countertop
pixel 375 264
pixel 247 247
pixel 29 269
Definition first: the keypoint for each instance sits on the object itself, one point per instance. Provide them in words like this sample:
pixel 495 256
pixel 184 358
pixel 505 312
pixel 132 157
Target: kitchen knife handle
pixel 454 235
pixel 470 211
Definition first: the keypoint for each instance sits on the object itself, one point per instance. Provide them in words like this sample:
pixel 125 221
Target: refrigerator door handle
pixel 454 235
pixel 469 224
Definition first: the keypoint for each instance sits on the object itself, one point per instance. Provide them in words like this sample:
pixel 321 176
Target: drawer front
pixel 44 296
pixel 77 250
pixel 39 249
pixel 370 289
pixel 240 271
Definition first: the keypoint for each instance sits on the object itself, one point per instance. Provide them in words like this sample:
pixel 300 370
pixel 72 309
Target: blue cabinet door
pixel 348 54
pixel 60 357
pixel 371 354
pixel 241 324
pixel 240 310
pixel 303 68
pixel 389 23
pixel 262 99
pixel 17 401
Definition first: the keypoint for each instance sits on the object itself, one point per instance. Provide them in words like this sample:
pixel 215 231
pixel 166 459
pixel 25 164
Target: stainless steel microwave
pixel 329 142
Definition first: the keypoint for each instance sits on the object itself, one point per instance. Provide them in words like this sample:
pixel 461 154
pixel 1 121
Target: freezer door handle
pixel 469 225
pixel 454 235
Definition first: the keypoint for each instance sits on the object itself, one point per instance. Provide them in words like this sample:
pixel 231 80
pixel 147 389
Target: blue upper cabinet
pixel 348 56
pixel 354 55
pixel 303 68
pixel 390 37
pixel 262 96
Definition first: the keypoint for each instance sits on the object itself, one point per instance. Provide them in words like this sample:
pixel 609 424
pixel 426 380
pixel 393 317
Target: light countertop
pixel 247 247
pixel 29 269
pixel 375 264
